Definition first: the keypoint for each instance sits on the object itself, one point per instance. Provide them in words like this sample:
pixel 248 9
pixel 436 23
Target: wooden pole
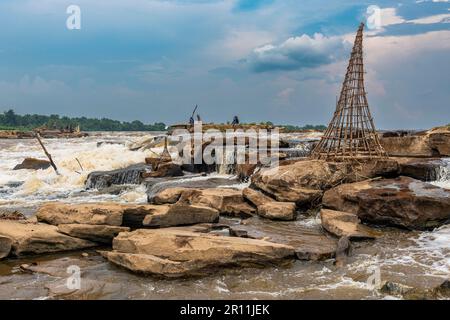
pixel 46 153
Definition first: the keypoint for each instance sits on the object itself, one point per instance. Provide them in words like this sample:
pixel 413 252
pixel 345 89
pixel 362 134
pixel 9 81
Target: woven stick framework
pixel 351 133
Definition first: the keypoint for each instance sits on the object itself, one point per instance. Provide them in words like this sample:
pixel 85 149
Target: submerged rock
pixel 344 224
pixel 95 233
pixel 105 179
pixel 37 238
pixel 33 164
pixel 403 202
pixel 84 213
pixel 5 246
pixel 173 253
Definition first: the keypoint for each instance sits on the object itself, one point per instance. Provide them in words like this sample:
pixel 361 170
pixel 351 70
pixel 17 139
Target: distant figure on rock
pixel 198 117
pixel 235 120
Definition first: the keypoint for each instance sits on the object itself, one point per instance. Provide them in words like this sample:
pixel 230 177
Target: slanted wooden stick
pixel 46 153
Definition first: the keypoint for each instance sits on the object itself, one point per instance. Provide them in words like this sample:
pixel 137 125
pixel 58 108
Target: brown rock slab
pixel 277 210
pixel 309 243
pixel 181 214
pixel 184 252
pixel 88 213
pixel 36 238
pixel 256 197
pixel 344 224
pixel 95 233
pixel 404 202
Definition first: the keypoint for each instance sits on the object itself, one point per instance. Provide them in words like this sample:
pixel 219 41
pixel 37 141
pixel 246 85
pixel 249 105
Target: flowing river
pixel 417 259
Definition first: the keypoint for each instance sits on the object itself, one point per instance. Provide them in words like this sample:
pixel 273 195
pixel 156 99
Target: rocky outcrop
pixel 344 224
pixel 89 213
pixel 95 233
pixel 257 198
pixel 104 179
pixel 303 182
pixel 37 238
pixel 33 164
pixel 5 246
pixel 404 202
pixel 227 201
pixel 432 143
pixel 173 253
pixel 179 215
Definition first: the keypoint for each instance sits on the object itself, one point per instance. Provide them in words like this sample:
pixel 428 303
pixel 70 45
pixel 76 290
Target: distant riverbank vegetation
pixel 9 120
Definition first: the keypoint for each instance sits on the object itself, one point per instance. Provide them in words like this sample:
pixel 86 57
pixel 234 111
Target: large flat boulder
pixel 309 242
pixel 37 238
pixel 88 213
pixel 181 214
pixel 227 201
pixel 95 233
pixel 344 224
pixel 304 182
pixel 175 252
pixel 404 202
pixel 5 246
pixel 256 197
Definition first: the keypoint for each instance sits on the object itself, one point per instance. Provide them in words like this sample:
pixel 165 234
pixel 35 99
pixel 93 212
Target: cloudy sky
pixel 277 60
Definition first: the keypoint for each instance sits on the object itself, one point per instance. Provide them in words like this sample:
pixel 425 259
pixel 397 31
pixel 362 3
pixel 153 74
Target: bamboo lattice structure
pixel 351 133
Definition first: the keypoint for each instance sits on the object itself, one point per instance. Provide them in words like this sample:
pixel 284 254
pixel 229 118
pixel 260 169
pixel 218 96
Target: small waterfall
pixel 104 179
pixel 442 174
pixel 443 171
pixel 228 165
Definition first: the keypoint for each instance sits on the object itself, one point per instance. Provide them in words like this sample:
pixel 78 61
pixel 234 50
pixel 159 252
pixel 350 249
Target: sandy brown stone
pixel 36 238
pixel 277 210
pixel 346 224
pixel 181 214
pixel 87 213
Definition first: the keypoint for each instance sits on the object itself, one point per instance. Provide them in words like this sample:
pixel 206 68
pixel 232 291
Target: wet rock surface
pixel 404 202
pixel 421 169
pixel 5 246
pixel 344 224
pixel 179 215
pixel 309 243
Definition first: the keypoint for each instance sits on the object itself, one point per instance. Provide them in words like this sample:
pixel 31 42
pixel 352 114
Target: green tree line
pixel 10 120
